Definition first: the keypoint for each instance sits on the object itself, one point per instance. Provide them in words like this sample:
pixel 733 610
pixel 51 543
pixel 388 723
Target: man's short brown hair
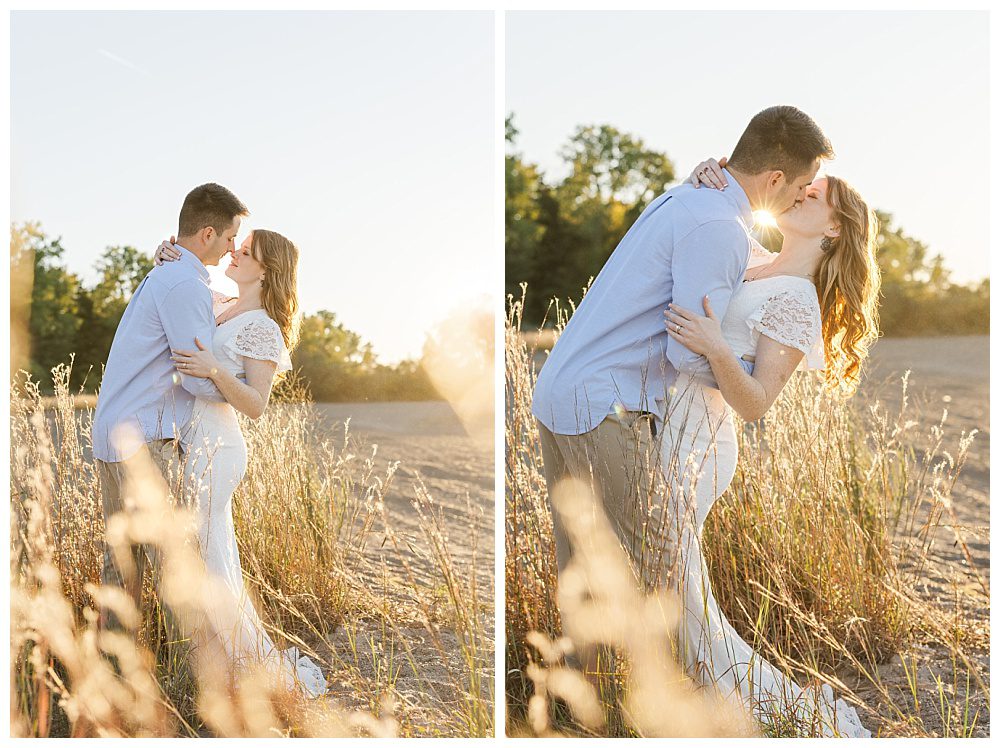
pixel 209 205
pixel 780 138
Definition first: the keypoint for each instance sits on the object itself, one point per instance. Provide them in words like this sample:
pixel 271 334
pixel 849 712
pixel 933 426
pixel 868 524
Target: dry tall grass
pixel 815 551
pixel 305 514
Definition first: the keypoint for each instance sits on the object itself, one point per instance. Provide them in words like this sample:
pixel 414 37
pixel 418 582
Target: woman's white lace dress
pixel 215 465
pixel 699 444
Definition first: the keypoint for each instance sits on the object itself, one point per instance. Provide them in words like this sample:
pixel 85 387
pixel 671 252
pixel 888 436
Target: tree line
pixel 55 316
pixel 560 232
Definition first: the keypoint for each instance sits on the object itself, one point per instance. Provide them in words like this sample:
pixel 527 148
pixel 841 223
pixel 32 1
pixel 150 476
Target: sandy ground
pixel 431 446
pixel 947 373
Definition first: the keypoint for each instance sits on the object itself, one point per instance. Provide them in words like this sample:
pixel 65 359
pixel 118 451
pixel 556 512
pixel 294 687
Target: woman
pixel 813 305
pixel 254 333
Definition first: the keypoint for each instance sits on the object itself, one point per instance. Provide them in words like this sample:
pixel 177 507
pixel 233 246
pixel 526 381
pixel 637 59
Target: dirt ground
pixel 432 447
pixel 952 374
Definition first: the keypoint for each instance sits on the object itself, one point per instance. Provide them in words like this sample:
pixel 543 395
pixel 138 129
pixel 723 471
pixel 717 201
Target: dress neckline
pixel 248 311
pixel 779 275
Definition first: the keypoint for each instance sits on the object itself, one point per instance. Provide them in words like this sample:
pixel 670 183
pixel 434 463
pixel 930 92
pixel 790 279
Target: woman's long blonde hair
pixel 279 288
pixel 847 282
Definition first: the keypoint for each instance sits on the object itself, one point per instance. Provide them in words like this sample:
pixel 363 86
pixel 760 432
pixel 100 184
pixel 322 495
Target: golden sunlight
pixel 764 219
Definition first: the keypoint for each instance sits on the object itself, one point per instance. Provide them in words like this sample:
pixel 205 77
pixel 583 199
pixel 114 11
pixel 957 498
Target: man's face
pixel 225 242
pixel 791 192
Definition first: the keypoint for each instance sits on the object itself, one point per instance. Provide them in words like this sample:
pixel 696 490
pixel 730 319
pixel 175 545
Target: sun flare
pixel 764 219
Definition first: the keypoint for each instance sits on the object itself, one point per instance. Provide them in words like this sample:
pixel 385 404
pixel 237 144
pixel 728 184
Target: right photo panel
pixel 747 374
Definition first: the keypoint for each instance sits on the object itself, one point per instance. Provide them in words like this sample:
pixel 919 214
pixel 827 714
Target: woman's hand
pixel 200 363
pixel 166 252
pixel 709 173
pixel 701 335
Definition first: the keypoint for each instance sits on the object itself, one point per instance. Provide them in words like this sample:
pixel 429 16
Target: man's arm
pixel 186 313
pixel 708 261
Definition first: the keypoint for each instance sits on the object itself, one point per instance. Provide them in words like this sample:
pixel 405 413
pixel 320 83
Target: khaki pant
pixel 117 487
pixel 618 460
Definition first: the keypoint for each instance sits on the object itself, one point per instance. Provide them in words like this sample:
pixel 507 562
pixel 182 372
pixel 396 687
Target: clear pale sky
pixel 367 138
pixel 903 96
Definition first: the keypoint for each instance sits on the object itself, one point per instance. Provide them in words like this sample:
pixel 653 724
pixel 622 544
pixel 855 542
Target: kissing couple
pixel 184 361
pixel 689 320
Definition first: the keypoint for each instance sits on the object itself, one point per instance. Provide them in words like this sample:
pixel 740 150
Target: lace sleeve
pixel 260 339
pixel 792 318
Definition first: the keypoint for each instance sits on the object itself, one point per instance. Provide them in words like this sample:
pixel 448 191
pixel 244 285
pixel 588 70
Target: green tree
pixel 120 271
pixel 52 324
pixel 559 234
pixel 612 168
pixel 340 366
pixel 918 297
pixel 523 228
pixel 333 359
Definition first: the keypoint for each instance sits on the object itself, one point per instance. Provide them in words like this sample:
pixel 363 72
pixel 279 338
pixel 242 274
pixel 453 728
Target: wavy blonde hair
pixel 847 283
pixel 279 288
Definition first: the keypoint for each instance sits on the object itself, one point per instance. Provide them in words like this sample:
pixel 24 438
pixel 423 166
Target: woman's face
pixel 243 267
pixel 813 217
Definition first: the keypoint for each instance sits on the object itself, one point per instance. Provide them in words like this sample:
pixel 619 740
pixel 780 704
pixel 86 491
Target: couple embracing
pixel 184 361
pixel 689 320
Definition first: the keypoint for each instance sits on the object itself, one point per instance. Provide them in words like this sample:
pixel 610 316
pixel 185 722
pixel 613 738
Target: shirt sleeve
pixel 710 260
pixel 186 313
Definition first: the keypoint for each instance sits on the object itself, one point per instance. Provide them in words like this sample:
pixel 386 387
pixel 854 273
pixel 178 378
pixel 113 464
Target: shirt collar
pixel 192 259
pixel 739 198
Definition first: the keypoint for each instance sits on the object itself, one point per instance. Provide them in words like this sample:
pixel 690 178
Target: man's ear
pixel 775 178
pixel 208 234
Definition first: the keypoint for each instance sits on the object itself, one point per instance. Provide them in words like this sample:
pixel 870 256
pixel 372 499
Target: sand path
pixel 432 448
pixel 952 373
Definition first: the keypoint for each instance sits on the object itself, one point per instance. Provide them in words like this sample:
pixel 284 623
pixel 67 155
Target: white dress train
pixel 216 462
pixel 699 444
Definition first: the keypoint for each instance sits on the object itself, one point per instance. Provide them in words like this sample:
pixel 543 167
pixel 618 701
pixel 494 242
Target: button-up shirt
pixel 143 397
pixel 615 350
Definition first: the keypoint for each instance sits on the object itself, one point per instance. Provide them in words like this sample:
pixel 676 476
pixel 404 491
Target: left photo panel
pixel 252 374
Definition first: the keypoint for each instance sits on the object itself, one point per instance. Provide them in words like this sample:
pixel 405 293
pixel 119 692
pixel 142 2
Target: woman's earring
pixel 827 244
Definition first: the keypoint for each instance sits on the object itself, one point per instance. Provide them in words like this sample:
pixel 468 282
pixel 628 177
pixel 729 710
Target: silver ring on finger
pixel 677 328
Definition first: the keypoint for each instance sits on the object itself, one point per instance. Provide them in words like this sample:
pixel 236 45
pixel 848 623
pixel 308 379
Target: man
pixel 144 403
pixel 601 391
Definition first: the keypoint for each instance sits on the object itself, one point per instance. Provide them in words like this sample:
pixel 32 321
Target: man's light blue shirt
pixel 142 396
pixel 615 351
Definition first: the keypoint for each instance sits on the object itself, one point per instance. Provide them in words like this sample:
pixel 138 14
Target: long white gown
pixel 216 462
pixel 699 444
